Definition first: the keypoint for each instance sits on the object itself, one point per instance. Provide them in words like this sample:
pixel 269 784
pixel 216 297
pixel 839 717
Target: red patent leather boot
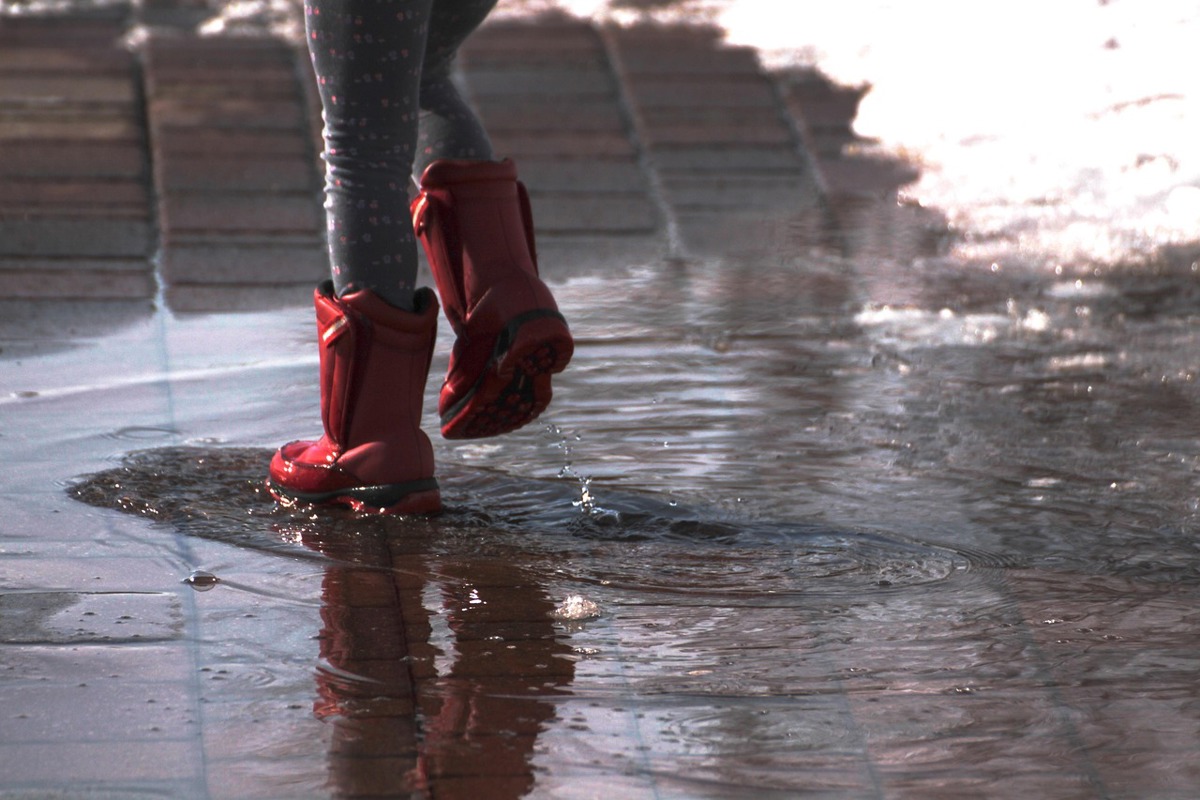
pixel 473 219
pixel 374 457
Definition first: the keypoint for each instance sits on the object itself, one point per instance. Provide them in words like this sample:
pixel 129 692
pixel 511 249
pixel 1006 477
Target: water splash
pixel 576 607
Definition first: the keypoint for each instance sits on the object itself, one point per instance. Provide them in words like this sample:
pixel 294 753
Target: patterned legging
pixel 383 69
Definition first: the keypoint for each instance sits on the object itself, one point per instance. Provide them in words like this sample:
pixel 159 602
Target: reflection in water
pixel 437 675
pixel 724 644
pixel 438 668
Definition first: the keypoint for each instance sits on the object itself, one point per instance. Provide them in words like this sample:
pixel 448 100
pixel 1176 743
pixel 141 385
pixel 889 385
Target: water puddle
pixel 453 643
pixel 701 556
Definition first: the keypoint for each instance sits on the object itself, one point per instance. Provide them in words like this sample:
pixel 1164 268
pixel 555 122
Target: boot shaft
pixel 475 222
pixel 374 364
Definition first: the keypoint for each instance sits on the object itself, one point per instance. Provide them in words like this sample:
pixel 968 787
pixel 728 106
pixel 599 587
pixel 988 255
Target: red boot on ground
pixel 474 220
pixel 374 457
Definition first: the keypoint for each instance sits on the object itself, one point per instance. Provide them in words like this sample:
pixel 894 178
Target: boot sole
pixel 413 497
pixel 515 386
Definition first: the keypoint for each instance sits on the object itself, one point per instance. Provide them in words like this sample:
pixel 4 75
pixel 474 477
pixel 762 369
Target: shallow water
pixel 824 546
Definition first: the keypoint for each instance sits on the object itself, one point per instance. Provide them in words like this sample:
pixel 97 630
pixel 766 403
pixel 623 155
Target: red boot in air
pixel 374 457
pixel 474 220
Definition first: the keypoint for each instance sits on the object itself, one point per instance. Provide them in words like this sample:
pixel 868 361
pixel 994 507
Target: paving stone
pixel 76 89
pixel 702 116
pixel 242 173
pixel 77 617
pixel 632 213
pixel 534 114
pixel 217 211
pixel 216 91
pixel 33 284
pixel 97 710
pixel 122 768
pixel 563 255
pixel 69 263
pixel 169 50
pixel 271 75
pixel 65 237
pixel 231 264
pixel 743 93
pixel 184 111
pixel 247 238
pixel 186 141
pixel 76 160
pixel 728 159
pixel 866 177
pixel 48 59
pixel 120 197
pixel 105 30
pixel 151 664
pixel 653 38
pixel 748 192
pixel 544 175
pixel 753 234
pixel 545 35
pixel 207 299
pixel 31 128
pixel 578 144
pixel 698 59
pixel 485 57
pixel 579 84
pixel 656 136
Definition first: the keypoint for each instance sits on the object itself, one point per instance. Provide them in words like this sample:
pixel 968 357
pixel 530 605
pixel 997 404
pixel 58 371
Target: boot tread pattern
pixel 515 387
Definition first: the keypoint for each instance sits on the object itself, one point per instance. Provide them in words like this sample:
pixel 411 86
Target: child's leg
pixel 449 128
pixel 368 57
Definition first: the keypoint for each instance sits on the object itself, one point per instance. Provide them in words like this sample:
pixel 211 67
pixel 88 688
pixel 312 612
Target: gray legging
pixel 383 70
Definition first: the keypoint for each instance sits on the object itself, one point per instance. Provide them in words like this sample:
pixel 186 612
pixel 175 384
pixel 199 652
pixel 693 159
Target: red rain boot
pixel 374 457
pixel 474 220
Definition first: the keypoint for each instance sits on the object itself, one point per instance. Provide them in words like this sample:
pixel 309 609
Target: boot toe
pixel 303 468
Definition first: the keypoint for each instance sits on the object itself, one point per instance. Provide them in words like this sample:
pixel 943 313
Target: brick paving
pixel 75 204
pixel 131 168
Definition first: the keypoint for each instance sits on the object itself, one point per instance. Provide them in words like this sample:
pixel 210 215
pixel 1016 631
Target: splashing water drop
pixel 577 607
pixel 586 502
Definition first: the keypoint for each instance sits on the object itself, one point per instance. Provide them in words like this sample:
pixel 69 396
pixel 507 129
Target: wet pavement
pixel 823 507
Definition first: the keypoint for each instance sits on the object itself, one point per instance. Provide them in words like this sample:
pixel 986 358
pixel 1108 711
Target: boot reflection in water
pixel 414 713
pixel 383 70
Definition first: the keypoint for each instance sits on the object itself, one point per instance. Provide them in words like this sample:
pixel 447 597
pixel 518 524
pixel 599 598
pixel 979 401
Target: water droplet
pixel 201 581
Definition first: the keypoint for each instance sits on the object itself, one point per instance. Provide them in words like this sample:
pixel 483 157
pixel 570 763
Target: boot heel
pixel 515 387
pixel 538 343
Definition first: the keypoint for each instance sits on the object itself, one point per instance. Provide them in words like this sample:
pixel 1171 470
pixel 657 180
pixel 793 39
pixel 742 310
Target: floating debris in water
pixel 201 581
pixel 577 607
